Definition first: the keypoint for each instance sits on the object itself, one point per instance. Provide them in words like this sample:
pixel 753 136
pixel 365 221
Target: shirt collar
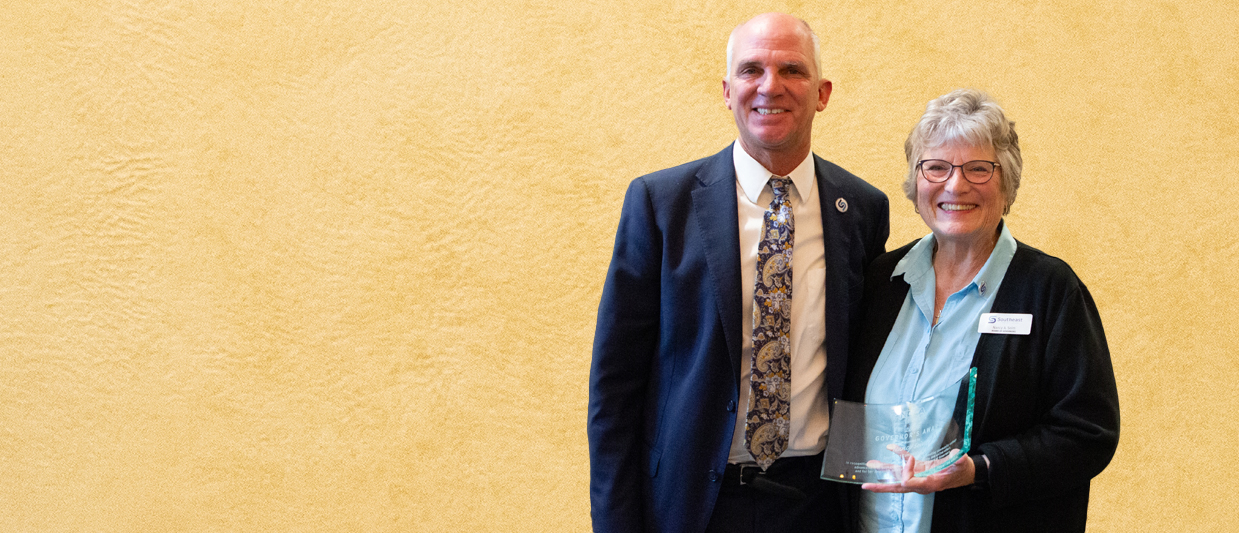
pixel 752 176
pixel 919 262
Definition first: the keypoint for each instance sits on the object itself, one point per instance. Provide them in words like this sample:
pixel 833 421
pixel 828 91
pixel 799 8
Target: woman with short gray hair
pixel 1047 415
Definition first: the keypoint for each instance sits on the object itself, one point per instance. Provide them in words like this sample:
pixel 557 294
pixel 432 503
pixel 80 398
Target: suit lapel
pixel 837 241
pixel 714 208
pixel 835 237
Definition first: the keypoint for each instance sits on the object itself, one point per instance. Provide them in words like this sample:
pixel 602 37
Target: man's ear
pixel 823 93
pixel 727 94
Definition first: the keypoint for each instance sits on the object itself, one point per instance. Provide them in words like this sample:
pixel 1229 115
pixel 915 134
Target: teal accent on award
pixel 874 443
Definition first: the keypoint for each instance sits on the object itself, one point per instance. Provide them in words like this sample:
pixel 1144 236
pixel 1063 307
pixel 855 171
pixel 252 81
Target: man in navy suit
pixel 670 384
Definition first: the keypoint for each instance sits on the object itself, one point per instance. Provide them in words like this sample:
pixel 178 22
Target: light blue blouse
pixel 920 360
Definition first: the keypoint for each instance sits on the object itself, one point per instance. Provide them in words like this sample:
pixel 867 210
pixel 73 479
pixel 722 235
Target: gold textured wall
pixel 333 265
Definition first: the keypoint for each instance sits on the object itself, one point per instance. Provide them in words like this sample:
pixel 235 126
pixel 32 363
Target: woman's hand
pixel 961 473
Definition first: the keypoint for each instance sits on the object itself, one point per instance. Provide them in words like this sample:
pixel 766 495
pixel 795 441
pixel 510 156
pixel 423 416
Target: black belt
pixel 751 475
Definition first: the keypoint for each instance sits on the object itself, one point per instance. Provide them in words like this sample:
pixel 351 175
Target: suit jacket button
pixel 731 406
pixel 713 476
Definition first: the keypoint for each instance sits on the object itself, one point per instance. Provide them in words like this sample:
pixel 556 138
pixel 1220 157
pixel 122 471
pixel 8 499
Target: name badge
pixel 1005 323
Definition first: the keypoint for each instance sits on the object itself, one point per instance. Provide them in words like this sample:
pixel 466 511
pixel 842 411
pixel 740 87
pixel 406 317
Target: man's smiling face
pixel 773 87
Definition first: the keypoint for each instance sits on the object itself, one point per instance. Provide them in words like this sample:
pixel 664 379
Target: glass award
pixel 873 443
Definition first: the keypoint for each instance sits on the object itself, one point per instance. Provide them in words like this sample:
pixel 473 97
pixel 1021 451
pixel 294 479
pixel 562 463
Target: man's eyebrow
pixel 793 64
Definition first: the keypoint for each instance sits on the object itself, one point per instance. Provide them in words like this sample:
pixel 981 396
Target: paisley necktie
pixel 767 424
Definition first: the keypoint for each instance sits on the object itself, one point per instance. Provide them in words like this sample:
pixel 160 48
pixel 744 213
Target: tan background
pixel 333 265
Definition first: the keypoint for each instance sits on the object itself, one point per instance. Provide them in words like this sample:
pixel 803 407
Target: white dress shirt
pixel 809 410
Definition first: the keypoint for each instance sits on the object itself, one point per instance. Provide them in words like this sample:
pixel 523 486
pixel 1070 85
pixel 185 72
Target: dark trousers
pixel 749 509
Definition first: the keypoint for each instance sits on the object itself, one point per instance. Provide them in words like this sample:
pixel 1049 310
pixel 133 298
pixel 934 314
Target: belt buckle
pixel 760 472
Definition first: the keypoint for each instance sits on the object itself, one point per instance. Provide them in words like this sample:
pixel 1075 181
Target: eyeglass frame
pixel 920 168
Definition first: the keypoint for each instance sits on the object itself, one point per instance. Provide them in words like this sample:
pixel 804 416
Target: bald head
pixel 767 22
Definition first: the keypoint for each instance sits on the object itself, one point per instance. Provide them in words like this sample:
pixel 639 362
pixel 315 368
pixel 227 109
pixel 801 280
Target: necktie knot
pixel 780 186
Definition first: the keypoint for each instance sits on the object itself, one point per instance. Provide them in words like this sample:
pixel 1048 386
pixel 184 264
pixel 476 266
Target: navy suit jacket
pixel 664 382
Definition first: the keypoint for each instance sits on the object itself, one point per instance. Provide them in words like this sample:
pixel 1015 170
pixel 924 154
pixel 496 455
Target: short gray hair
pixel 972 117
pixel 817 48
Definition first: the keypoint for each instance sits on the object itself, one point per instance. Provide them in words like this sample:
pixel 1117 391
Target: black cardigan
pixel 1047 409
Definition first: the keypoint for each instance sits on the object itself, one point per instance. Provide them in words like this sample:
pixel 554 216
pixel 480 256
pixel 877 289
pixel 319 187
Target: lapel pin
pixel 841 205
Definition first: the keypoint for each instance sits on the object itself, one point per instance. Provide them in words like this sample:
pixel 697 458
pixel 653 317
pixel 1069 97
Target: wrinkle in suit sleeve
pixel 877 244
